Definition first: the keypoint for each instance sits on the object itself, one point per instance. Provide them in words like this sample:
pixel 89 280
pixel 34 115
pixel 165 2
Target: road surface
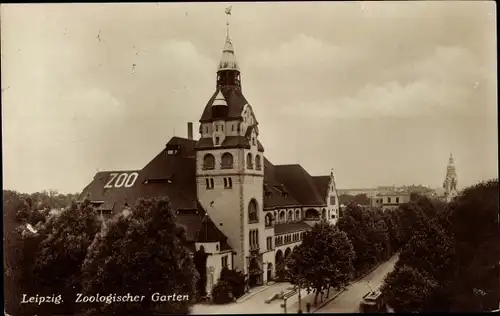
pixel 348 302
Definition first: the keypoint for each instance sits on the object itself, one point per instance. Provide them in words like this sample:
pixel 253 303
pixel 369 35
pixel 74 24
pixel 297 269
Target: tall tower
pixel 450 182
pixel 230 166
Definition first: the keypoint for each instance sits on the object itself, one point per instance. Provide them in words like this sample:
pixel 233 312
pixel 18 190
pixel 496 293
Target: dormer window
pixel 253 141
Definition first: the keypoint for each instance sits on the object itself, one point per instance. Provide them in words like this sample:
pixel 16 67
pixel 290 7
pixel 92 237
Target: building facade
pixel 245 212
pixel 388 201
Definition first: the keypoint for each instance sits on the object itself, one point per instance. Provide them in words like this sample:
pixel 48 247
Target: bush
pixel 221 292
pixel 236 281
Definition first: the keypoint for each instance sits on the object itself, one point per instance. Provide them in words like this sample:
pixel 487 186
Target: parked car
pixel 372 302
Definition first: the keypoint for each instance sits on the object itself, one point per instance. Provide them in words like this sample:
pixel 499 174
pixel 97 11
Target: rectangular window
pixel 222 127
pixel 224 262
pixel 216 128
pixel 253 141
pixel 397 200
pixel 332 200
pixel 206 129
pixel 232 127
pixel 269 243
pixel 388 200
pixel 228 183
pixel 216 140
pixel 210 183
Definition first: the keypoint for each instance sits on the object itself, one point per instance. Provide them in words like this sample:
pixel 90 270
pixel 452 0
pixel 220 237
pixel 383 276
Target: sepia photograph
pixel 175 158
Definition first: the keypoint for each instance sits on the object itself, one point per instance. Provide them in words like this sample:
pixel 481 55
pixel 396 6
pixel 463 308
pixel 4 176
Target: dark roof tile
pixel 286 228
pixel 322 184
pixel 300 184
pixel 235 102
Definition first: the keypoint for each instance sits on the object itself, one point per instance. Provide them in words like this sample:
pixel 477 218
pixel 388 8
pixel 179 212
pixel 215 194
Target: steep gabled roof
pixel 275 193
pixel 235 103
pixel 322 184
pixel 169 174
pixel 300 184
pixel 229 142
pixel 113 197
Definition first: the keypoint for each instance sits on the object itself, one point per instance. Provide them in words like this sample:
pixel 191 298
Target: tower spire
pixel 228 72
pixel 450 182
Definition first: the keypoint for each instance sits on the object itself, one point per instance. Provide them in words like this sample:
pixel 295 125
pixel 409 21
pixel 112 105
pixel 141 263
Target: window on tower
pixel 258 163
pixel 228 183
pixel 216 127
pixel 208 162
pixel 249 161
pixel 253 215
pixel 217 140
pixel 210 183
pixel 227 161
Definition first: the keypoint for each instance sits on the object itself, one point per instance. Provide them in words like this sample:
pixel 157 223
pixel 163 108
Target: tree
pixel 323 260
pixel 474 225
pixel 368 242
pixel 432 251
pixel 141 249
pixel 408 290
pixel 200 262
pixel 61 253
pixel 221 292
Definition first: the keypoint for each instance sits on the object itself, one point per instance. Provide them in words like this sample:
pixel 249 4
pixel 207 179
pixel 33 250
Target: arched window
pixel 208 161
pixel 258 163
pixel 297 215
pixel 282 216
pixel 269 220
pixel 249 161
pixel 253 215
pixel 290 216
pixel 226 161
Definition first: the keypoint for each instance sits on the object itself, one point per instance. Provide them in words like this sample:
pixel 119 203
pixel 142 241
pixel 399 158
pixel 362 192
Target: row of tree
pixel 140 251
pixel 451 261
pixel 330 256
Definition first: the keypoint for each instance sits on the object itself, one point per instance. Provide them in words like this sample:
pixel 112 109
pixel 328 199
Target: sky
pixel 380 92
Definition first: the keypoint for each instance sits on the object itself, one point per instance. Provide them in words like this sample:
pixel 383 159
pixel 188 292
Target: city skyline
pixel 380 96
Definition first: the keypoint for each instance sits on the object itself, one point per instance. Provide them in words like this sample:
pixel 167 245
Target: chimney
pixel 190 130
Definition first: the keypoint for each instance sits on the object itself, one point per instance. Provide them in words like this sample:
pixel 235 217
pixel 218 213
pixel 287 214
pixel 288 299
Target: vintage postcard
pixel 246 158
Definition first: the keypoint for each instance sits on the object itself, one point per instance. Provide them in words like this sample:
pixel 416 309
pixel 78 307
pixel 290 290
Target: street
pixel 348 302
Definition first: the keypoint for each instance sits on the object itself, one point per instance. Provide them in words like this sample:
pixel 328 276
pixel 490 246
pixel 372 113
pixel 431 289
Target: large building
pixel 388 201
pixel 247 213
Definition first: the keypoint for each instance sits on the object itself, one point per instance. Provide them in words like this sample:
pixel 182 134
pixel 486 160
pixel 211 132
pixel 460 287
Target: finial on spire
pixel 228 13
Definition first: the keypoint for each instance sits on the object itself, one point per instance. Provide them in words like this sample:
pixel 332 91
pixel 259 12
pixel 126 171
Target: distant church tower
pixel 230 166
pixel 450 182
